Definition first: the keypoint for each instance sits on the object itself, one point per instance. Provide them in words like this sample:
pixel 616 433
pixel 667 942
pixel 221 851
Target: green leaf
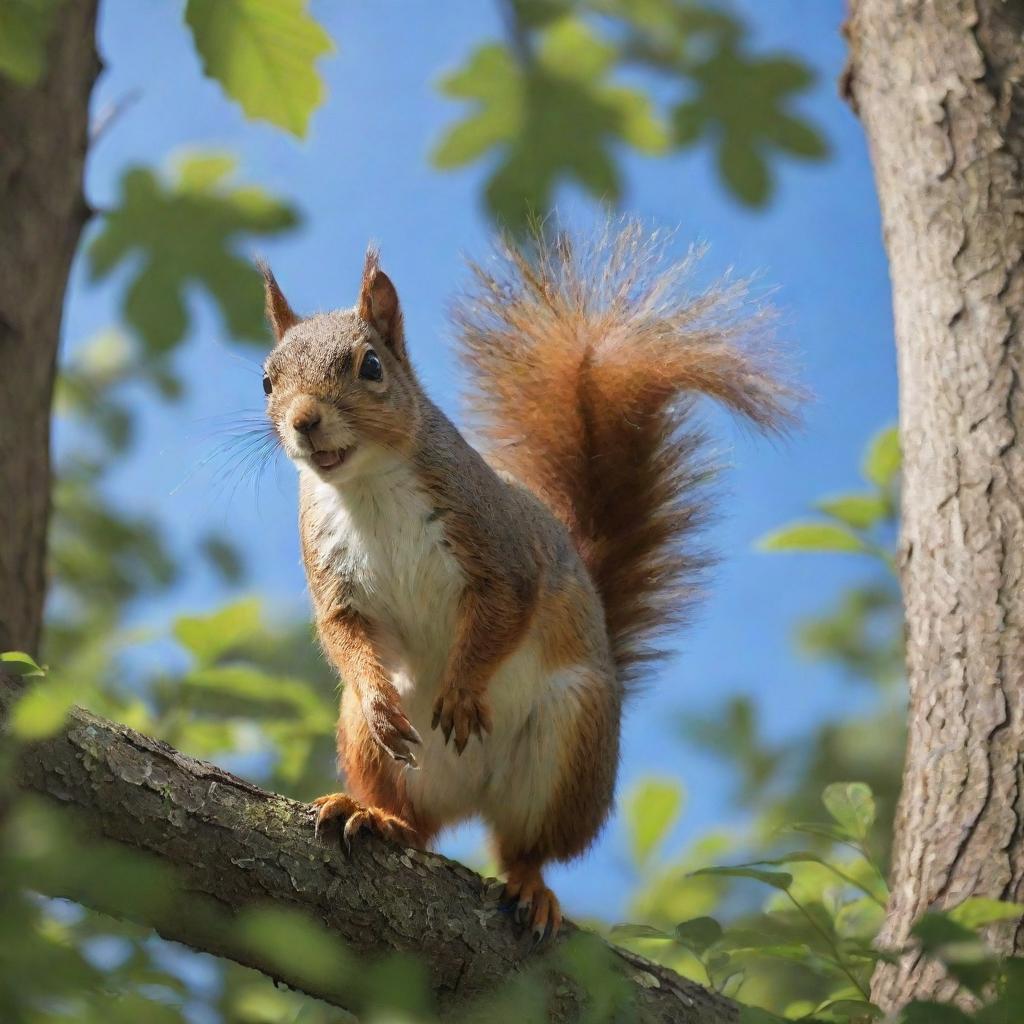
pixel 492 79
pixel 860 919
pixel 1005 1008
pixel 224 556
pixel 861 511
pixel 744 170
pixel 808 857
pixel 776 879
pixel 294 943
pixel 862 632
pixel 652 808
pixel 208 737
pixel 589 962
pixel 209 637
pixel 742 102
pixel 639 931
pixel 554 120
pixel 241 688
pixel 398 988
pixel 882 458
pixel 933 1013
pixel 25 27
pixel 940 935
pixel 688 124
pixel 851 1010
pixel 812 537
pixel 666 21
pixel 978 911
pixel 975 970
pixel 796 137
pixel 262 52
pixel 188 230
pixel 18 663
pixel 698 933
pixel 796 857
pixel 966 957
pixel 797 953
pixel 755 1015
pixel 538 13
pixel 813 828
pixel 852 805
pixel 42 710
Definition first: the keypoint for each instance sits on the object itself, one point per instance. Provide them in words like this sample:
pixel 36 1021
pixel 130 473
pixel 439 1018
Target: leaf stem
pixel 831 943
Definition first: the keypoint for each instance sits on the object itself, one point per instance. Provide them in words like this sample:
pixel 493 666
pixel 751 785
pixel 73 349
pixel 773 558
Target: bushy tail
pixel 586 359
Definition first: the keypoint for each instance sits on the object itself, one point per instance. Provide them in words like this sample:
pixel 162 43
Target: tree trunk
pixel 939 87
pixel 43 140
pixel 232 846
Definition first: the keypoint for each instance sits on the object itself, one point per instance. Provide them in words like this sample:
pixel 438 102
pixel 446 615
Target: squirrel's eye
pixel 267 386
pixel 370 368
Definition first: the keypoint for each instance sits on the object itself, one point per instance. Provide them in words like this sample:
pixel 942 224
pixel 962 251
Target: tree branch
pixel 234 846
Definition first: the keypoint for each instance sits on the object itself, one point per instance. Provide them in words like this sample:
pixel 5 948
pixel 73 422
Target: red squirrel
pixel 489 614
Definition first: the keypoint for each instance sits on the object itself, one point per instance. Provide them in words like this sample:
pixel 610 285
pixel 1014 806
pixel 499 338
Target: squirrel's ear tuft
pixel 378 304
pixel 280 315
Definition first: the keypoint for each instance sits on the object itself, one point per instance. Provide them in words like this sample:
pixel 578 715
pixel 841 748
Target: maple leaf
pixel 554 118
pixel 183 231
pixel 263 53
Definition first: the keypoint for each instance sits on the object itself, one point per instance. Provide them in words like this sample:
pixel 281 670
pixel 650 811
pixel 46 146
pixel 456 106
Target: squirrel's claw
pixel 408 758
pixel 461 713
pixel 536 906
pixel 358 818
pixel 355 824
pixel 331 807
pixel 410 733
pixel 392 730
pixel 541 933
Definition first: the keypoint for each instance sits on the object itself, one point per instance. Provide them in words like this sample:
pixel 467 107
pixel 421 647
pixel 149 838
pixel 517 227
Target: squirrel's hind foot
pixel 536 906
pixel 342 807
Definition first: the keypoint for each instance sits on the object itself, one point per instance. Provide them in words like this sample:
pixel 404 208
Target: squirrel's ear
pixel 280 315
pixel 378 304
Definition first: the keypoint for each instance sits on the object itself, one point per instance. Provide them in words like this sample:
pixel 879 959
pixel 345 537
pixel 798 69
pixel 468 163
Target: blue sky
pixel 364 174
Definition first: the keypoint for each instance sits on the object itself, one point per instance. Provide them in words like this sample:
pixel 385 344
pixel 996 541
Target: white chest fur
pixel 381 536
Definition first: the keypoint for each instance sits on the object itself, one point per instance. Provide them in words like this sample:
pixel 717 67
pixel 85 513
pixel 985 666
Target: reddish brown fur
pixel 378 304
pixel 280 314
pixel 370 773
pixel 584 368
pixel 495 610
pixel 348 642
pixel 583 361
pixel 564 635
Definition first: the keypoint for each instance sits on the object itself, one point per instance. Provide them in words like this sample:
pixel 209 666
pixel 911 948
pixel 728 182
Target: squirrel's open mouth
pixel 330 459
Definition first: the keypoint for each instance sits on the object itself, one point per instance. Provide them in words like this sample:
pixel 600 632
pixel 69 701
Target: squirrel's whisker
pixel 232 452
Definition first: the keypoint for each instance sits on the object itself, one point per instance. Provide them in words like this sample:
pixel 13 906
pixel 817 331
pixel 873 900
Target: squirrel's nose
pixel 305 422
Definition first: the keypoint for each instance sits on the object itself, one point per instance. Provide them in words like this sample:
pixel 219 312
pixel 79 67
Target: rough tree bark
pixel 233 846
pixel 939 87
pixel 43 139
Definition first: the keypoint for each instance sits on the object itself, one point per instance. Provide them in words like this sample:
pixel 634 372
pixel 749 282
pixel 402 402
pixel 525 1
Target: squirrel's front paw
pixel 463 713
pixel 390 728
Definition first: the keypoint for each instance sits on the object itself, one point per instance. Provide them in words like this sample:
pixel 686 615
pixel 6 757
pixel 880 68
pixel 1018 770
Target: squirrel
pixel 490 615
